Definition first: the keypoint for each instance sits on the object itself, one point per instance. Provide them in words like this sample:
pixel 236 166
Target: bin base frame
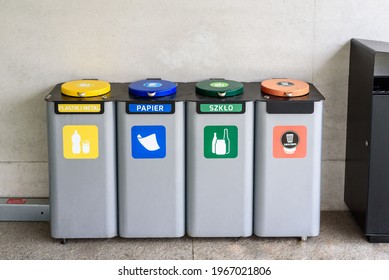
pixel 32 210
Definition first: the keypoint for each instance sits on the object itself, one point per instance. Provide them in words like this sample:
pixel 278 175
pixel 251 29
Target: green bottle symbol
pixel 220 141
pixel 214 143
pixel 221 147
pixel 227 141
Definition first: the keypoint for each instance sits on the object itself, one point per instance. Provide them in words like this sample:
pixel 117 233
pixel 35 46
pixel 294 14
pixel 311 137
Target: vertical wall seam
pixel 313 42
pixel 193 253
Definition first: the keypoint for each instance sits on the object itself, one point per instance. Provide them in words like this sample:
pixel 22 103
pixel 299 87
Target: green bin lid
pixel 219 88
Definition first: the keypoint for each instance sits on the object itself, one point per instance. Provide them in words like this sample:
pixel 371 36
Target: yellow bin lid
pixel 85 88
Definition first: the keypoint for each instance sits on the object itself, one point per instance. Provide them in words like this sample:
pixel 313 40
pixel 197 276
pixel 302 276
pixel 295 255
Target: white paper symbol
pixel 150 142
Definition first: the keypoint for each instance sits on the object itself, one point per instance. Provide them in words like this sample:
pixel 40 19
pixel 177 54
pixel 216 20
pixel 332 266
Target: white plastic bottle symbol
pixel 76 143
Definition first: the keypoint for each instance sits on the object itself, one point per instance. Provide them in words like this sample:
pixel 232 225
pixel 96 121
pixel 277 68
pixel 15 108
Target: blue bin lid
pixel 152 88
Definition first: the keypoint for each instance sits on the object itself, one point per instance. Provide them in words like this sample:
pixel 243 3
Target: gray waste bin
pixel 151 160
pixel 219 139
pixel 82 160
pixel 287 159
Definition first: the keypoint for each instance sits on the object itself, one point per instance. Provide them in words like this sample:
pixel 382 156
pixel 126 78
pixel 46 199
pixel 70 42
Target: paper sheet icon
pixel 149 142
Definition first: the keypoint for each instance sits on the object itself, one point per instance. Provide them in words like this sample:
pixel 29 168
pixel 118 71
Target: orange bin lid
pixel 285 87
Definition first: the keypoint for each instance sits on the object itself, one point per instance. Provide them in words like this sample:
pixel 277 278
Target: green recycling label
pixel 221 141
pixel 221 108
pixel 219 84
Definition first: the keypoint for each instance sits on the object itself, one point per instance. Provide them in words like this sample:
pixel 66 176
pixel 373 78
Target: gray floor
pixel 340 238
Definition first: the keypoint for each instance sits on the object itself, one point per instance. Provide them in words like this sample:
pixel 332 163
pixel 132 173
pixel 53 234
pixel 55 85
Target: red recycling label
pixel 290 141
pixel 16 201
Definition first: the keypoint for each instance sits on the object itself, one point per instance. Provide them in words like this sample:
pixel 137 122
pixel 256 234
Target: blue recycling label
pixel 148 141
pixel 152 88
pixel 164 108
pixel 152 85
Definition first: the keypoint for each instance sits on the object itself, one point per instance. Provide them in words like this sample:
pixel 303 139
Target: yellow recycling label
pixel 79 108
pixel 80 141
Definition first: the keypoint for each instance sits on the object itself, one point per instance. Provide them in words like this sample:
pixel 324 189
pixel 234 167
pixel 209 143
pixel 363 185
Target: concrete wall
pixel 46 42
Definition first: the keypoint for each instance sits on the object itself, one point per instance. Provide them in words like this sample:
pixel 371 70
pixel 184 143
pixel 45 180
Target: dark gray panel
pixel 378 209
pixel 358 130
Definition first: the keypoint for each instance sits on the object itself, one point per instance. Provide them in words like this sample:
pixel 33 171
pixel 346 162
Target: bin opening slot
pixel 280 107
pixel 381 85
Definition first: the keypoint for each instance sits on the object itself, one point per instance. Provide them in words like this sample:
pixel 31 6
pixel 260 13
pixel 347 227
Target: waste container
pixel 220 132
pixel 151 160
pixel 287 159
pixel 82 160
pixel 366 188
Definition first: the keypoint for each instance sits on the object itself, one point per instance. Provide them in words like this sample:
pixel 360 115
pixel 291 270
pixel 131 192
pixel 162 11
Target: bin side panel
pixel 219 190
pixel 83 196
pixel 151 190
pixel 287 190
pixel 359 113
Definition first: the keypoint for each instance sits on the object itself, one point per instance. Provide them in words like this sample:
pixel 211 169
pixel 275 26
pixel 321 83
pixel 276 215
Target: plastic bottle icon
pixel 76 143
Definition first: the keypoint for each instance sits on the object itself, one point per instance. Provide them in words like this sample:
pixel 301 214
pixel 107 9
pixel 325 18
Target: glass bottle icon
pixel 76 143
pixel 221 147
pixel 227 141
pixel 214 143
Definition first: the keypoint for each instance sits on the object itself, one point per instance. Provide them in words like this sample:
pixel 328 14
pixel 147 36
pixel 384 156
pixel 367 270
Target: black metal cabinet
pixel 367 150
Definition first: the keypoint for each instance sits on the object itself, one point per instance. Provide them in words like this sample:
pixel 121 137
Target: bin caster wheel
pixel 63 241
pixel 304 238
